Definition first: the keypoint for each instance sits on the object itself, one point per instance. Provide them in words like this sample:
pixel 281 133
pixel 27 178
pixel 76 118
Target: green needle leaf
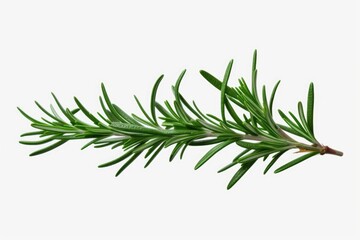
pixel 153 98
pixel 86 112
pixel 217 83
pixel 48 148
pixel 273 96
pixel 110 105
pixel 273 161
pixel 177 103
pixel 154 155
pixel 31 133
pixel 250 145
pixel 175 151
pixel 134 128
pixel 152 149
pixel 27 116
pixel 254 77
pixel 46 140
pixel 128 162
pixel 254 60
pixel 243 169
pixel 295 161
pixel 223 89
pixel 117 160
pixel 127 118
pixel 212 152
pixel 302 115
pixel 186 144
pixel 62 109
pixel 111 116
pixel 310 108
pixel 234 161
pixel 233 114
pixel 255 155
pixel 144 146
pixel 293 128
pixel 92 142
pixel 297 121
pixel 46 112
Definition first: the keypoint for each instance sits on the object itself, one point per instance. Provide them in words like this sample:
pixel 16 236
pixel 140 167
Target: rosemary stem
pixel 308 147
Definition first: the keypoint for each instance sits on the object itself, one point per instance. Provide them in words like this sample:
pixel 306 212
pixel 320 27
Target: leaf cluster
pixel 183 124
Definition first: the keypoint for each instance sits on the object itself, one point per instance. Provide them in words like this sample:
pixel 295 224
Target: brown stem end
pixel 328 150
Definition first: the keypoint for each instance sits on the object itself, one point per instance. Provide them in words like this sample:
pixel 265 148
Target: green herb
pixel 184 124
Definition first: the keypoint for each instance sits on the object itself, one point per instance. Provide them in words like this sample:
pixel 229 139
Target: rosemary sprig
pixel 184 124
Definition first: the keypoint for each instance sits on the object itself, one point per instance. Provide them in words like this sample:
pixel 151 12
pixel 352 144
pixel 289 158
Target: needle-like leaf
pixel 273 161
pixel 243 169
pixel 273 96
pixel 217 83
pixel 254 77
pixel 128 162
pixel 296 161
pixel 212 152
pixel 154 155
pixel 48 148
pixel 310 108
pixel 223 89
pixel 153 98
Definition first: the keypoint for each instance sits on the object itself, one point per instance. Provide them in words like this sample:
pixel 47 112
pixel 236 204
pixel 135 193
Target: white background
pixel 70 47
